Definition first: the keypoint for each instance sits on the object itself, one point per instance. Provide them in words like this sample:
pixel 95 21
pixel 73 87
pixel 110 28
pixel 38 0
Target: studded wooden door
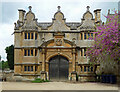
pixel 58 68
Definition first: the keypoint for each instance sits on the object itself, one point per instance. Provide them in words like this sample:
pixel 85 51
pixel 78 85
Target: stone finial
pixel 15 25
pixel 109 11
pixel 88 7
pixel 58 8
pixel 30 7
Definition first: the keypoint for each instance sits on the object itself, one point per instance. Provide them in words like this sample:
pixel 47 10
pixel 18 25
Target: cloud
pixel 6 39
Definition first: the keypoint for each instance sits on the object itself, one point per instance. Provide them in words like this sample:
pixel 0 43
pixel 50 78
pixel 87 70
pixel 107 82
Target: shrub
pixel 38 80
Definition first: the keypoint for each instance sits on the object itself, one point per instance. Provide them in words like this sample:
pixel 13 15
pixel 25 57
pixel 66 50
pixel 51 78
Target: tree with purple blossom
pixel 107 45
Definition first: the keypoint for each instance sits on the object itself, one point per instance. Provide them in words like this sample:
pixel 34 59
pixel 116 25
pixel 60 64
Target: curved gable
pixel 58 23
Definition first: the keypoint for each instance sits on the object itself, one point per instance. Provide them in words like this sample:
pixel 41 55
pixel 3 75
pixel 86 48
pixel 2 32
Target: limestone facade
pixel 37 42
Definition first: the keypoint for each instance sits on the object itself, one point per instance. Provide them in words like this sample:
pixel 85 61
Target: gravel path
pixel 56 86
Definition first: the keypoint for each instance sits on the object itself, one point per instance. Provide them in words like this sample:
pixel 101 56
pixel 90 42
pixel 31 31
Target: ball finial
pixel 59 8
pixel 30 7
pixel 88 7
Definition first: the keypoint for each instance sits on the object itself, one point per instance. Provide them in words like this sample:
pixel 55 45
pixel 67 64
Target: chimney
pixel 108 11
pixel 97 15
pixel 21 15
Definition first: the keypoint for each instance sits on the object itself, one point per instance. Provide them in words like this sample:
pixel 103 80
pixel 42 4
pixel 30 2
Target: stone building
pixel 54 50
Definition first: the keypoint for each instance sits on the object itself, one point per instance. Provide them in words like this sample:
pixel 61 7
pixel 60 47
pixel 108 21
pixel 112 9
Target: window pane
pixel 35 36
pixel 92 35
pixel 84 35
pixel 25 35
pixel 81 68
pixel 28 68
pixel 88 68
pixel 25 68
pixel 31 52
pixel 31 35
pixel 31 68
pixel 28 35
pixel 35 52
pixel 91 69
pixel 35 68
pixel 25 52
pixel 84 68
pixel 28 52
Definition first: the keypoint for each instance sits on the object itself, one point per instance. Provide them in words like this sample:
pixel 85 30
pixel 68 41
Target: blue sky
pixel 44 10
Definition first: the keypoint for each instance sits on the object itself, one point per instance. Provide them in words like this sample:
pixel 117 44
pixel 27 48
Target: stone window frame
pixel 86 35
pixel 30 52
pixel 88 69
pixel 29 68
pixel 30 35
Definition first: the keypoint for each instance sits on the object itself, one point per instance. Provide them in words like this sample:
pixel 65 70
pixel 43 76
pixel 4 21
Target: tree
pixel 0 57
pixel 107 45
pixel 3 65
pixel 10 56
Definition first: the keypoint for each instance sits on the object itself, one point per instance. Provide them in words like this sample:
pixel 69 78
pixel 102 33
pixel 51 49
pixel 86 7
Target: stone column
pixel 34 35
pixel 83 35
pixel 83 52
pixel 87 35
pixel 34 69
pixel 43 72
pixel 93 35
pixel 22 69
pixel 73 60
pixel 73 74
pixel 80 36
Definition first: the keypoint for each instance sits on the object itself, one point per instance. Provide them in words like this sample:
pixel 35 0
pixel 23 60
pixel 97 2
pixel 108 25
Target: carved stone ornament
pixel 58 42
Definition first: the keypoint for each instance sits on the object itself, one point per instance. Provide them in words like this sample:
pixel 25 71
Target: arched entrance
pixel 58 68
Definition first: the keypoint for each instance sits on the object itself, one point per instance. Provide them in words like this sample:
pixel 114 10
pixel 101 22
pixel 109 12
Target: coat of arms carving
pixel 58 42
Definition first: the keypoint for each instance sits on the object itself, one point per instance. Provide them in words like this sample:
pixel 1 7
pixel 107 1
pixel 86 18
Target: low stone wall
pixel 8 75
pixel 0 75
pixel 86 78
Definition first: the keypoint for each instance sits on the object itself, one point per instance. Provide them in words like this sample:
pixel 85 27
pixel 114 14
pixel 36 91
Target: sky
pixel 44 10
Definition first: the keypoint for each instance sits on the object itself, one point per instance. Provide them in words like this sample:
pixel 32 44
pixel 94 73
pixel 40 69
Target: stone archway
pixel 58 68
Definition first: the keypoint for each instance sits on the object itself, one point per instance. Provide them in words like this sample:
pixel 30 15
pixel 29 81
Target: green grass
pixel 38 80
